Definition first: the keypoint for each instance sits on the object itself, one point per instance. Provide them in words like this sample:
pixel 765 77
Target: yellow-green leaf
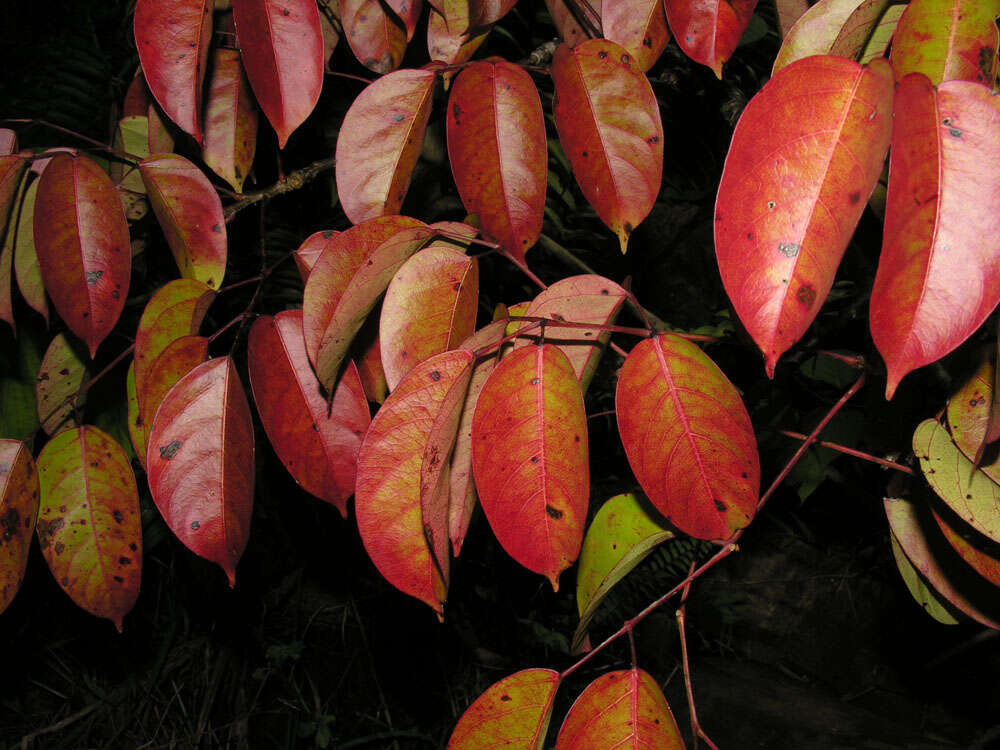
pixel 513 712
pixel 18 510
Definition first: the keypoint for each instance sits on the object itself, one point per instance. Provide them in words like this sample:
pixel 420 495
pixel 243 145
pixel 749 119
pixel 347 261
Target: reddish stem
pixel 696 730
pixel 123 155
pixel 852 452
pixel 854 360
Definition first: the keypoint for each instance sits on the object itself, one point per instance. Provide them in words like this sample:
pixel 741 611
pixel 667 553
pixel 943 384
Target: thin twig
pixel 123 155
pixel 290 182
pixel 696 730
pixel 851 452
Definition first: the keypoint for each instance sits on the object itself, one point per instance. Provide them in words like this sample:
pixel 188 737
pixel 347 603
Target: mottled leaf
pixel 379 143
pixel 534 490
pixel 513 712
pixel 822 25
pixel 200 463
pixel 318 445
pixel 230 120
pixel 376 37
pixel 709 30
pixel 970 412
pixel 450 47
pixel 638 26
pixel 568 25
pixel 82 242
pixel 88 521
pixel 688 438
pixel 938 276
pixel 18 510
pixel 60 376
pixel 609 126
pixel 790 11
pixel 793 189
pixel 866 34
pixel 407 11
pixel 982 554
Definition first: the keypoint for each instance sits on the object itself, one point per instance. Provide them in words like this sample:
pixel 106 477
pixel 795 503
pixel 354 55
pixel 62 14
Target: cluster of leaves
pixel 495 415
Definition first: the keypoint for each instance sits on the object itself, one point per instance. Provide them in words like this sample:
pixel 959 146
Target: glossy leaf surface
pixel 88 521
pixel 347 280
pixel 200 463
pixel 535 490
pixel 938 276
pixel 318 446
pixel 404 531
pixel 514 711
pixel 380 141
pixel 82 242
pixel 230 120
pixel 190 213
pixel 497 151
pixel 18 510
pixel 793 189
pixel 688 438
pixel 429 307
pixel 609 126
pixel 281 45
pixel 621 709
pixel 622 533
pixel 709 30
pixel 60 376
pixel 638 26
pixel 967 491
pixel 948 40
pixel 375 36
pixel 172 38
pixel 821 26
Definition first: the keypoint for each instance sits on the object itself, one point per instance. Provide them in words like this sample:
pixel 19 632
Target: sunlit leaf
pixel 513 712
pixel 447 46
pixel 621 709
pixel 969 416
pixel 172 38
pixel 790 11
pixel 18 510
pixel 821 26
pixel 380 141
pixel 793 189
pixel 347 280
pixel 535 489
pixel 82 242
pixel 922 593
pixel 230 120
pixel 938 275
pixel 688 438
pixel 281 46
pixel 407 11
pixel 609 126
pixel 639 26
pixel 867 33
pixel 132 137
pixel 318 445
pixel 400 504
pixel 311 249
pixel 709 30
pixel 622 533
pixel 88 521
pixel 429 307
pixel 497 151
pixel 200 463
pixel 376 37
pixel 60 376
pixel 567 25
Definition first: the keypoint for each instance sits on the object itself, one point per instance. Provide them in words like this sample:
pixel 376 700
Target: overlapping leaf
pixel 139 103
pixel 26 271
pixel 429 307
pixel 970 415
pixel 569 27
pixel 948 40
pixel 401 500
pixel 938 276
pixel 620 709
pixel 375 36
pixel 688 438
pixel 497 150
pixel 8 141
pixel 172 38
pixel 88 526
pixel 407 11
pixel 514 711
pixel 535 489
pixel 347 280
pixel 981 554
pixel 230 120
pixel 60 376
pixel 820 27
pixel 922 593
pixel 281 46
pixel 82 242
pixel 447 46
pixel 709 31
pixel 793 189
pixel 639 26
pixel 11 193
pixel 867 32
pixel 318 445
pixel 18 510
pixel 310 250
pixel 380 141
pixel 609 126
pixel 200 463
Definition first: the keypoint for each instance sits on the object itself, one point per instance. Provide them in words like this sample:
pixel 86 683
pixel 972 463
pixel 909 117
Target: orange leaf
pixel 709 30
pixel 376 37
pixel 18 510
pixel 639 26
pixel 514 712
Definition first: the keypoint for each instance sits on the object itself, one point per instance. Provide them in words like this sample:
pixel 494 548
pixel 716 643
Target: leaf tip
pixel 230 571
pixel 117 621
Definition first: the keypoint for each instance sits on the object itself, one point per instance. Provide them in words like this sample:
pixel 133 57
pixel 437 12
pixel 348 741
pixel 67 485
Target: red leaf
pixel 318 446
pixel 513 712
pixel 230 120
pixel 939 273
pixel 401 508
pixel 497 149
pixel 172 38
pixel 88 521
pixel 408 11
pixel 376 38
pixel 200 463
pixel 709 30
pixel 982 554
pixel 82 242
pixel 11 169
pixel 569 28
pixel 347 280
pixel 529 457
pixel 793 189
pixel 310 250
pixel 639 26
pixel 621 709
pixel 609 125
pixel 18 510
pixel 190 214
pixel 429 308
pixel 281 44
pixel 688 438
pixel 380 141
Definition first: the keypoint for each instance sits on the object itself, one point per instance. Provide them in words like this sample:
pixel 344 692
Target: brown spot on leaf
pixel 806 295
pixel 719 505
pixel 435 375
pixel 124 560
pixel 505 698
pixel 47 529
pixel 854 197
pixel 195 525
pixel 169 450
pixel 93 277
pixel 117 515
pixel 553 512
pixel 59 548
